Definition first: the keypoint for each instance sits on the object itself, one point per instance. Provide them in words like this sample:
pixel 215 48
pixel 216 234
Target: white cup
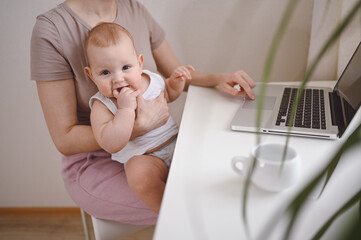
pixel 270 173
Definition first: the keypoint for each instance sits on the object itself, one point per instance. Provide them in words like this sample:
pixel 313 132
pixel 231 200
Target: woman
pixel 95 182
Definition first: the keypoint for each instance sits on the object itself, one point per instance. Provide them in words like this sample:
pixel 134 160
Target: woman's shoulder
pixel 62 19
pixel 46 29
pixel 48 23
pixel 61 27
pixel 52 15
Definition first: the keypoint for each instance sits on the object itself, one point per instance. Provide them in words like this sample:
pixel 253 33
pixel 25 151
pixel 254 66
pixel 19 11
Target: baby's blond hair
pixel 107 34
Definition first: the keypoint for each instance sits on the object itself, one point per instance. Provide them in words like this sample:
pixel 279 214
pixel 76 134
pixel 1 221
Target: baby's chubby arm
pixel 113 132
pixel 176 82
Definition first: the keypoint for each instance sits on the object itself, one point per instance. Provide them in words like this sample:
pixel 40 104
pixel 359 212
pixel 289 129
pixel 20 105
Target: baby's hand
pixel 182 73
pixel 126 98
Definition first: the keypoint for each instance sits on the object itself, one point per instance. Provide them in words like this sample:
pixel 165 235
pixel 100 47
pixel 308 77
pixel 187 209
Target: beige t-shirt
pixel 58 39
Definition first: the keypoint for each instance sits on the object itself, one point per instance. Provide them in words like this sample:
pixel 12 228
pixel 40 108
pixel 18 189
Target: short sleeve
pixel 156 32
pixel 47 58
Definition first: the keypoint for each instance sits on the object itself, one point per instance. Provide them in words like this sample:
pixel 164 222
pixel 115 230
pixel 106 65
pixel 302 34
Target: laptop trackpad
pixel 268 103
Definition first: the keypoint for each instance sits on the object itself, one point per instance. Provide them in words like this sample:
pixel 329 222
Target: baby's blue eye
pixel 126 67
pixel 105 72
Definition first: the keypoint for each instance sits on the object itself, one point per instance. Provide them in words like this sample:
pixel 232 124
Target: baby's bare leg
pixel 146 176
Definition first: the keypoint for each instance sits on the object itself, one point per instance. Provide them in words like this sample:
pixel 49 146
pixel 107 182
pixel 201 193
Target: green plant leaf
pixel 353 232
pixel 265 78
pixel 270 60
pixel 331 40
pixel 329 173
pixel 297 203
pixel 359 214
pixel 355 199
pixel 324 14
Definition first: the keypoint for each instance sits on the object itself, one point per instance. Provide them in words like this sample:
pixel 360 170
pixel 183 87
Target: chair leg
pixel 85 224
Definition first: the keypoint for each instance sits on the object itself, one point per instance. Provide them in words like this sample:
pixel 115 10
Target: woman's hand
pixel 150 115
pixel 239 78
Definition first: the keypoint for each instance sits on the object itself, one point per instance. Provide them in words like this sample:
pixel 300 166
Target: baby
pixel 116 69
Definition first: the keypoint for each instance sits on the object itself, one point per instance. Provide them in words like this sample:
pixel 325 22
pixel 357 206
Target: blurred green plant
pixel 355 138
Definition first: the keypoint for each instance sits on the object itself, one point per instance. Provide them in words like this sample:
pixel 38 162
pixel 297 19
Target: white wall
pixel 225 36
pixel 212 35
pixel 30 165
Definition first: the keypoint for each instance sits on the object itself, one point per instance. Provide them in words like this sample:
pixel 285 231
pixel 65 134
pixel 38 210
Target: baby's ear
pixel 88 72
pixel 140 60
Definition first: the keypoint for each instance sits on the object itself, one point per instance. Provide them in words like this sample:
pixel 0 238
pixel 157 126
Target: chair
pixel 108 230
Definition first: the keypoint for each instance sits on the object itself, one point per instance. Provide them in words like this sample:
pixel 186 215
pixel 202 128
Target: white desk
pixel 203 195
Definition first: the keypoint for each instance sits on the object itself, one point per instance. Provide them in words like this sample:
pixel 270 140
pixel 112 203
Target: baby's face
pixel 115 67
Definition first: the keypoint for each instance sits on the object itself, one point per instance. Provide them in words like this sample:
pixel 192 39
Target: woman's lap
pixel 98 185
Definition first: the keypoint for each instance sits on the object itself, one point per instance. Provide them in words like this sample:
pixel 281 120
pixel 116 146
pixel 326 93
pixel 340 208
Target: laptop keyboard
pixel 310 112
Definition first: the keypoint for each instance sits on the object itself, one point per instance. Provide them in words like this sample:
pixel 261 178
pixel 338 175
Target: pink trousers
pixel 99 186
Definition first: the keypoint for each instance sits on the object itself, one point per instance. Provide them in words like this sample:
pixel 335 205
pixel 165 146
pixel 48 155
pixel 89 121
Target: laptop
pixel 321 113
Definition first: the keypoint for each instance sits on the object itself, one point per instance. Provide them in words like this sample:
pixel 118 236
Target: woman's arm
pixel 58 101
pixel 167 61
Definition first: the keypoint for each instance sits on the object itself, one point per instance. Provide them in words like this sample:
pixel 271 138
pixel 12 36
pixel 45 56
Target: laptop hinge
pixel 336 111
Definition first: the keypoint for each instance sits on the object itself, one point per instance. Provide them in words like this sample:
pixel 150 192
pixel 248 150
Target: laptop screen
pixel 348 88
pixel 349 84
